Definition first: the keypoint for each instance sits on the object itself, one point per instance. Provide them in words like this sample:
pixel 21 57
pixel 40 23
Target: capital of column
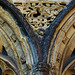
pixel 41 67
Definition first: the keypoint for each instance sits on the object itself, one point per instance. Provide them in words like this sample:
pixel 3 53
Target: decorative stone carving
pixel 40 14
pixel 30 55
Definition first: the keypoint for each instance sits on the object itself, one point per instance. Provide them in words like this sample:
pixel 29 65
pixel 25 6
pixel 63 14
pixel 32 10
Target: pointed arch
pixel 59 36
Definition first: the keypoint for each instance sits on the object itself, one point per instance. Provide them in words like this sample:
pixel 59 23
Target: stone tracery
pixel 18 47
pixel 40 14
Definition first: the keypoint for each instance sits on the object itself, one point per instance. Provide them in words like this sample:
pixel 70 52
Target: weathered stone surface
pixel 40 14
pixel 11 39
pixel 23 53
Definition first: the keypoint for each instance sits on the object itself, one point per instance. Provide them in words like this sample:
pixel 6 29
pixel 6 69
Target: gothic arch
pixel 61 35
pixel 31 54
pixel 15 37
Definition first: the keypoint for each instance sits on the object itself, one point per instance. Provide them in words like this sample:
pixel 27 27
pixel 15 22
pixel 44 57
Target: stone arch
pixel 47 40
pixel 27 49
pixel 64 33
pixel 68 51
pixel 60 33
pixel 15 38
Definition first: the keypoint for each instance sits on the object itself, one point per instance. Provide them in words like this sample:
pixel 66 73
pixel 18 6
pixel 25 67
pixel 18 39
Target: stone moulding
pixel 50 31
pixel 30 45
pixel 10 62
pixel 68 64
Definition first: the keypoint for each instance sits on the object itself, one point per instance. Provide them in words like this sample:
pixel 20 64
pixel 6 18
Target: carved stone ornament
pixel 40 14
pixel 22 52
